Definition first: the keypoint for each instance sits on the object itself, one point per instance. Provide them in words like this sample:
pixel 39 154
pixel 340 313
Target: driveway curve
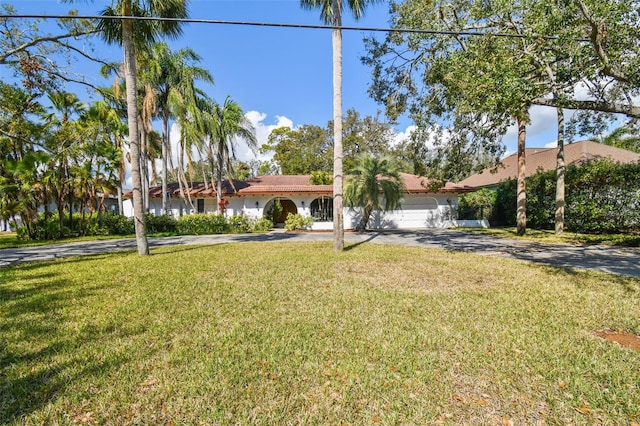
pixel 615 260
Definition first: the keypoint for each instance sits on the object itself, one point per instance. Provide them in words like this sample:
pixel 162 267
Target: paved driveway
pixel 600 258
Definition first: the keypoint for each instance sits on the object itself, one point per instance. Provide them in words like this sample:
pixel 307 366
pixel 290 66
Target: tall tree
pixel 44 61
pixel 552 46
pixel 331 14
pixel 309 148
pixel 226 123
pixel 302 150
pixel 63 145
pixel 171 76
pixel 118 27
pixel 374 184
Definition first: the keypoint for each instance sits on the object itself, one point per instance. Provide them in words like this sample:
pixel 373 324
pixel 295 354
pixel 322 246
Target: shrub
pixel 476 205
pixel 297 221
pixel 261 225
pixel 117 225
pixel 159 224
pixel 239 224
pixel 48 227
pixel 600 197
pixel 202 224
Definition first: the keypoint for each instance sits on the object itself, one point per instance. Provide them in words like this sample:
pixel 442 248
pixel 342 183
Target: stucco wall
pixel 417 211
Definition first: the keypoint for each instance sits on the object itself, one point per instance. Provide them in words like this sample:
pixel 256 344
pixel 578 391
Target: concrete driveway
pixel 614 260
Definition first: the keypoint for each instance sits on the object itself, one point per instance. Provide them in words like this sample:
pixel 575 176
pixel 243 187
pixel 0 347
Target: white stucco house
pixel 423 207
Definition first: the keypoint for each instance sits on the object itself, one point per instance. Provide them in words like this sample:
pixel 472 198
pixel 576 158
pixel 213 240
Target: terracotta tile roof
pixel 284 184
pixel 292 184
pixel 545 159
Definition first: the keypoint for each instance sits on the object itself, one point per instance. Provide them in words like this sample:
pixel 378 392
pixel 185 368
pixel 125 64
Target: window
pixel 322 209
pixel 200 205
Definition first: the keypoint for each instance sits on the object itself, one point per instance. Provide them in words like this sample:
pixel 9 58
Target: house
pixel 545 159
pixel 423 206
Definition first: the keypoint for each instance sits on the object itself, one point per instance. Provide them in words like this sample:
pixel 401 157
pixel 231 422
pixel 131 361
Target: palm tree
pixel 331 14
pixel 623 137
pixel 63 145
pixel 225 123
pixel 109 130
pixel 374 184
pixel 122 32
pixel 171 76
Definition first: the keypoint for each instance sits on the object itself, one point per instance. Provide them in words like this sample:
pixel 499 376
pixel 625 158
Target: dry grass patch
pixel 289 333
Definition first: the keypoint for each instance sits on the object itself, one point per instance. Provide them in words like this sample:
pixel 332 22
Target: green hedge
pixel 48 227
pixel 600 197
pixel 197 224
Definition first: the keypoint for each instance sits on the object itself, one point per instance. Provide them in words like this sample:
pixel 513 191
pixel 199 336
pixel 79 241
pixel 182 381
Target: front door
pixel 288 206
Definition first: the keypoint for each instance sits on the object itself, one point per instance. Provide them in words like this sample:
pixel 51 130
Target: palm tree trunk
pixel 338 200
pixel 219 175
pixel 560 170
pixel 144 166
pixel 521 211
pixel 121 177
pixel 366 214
pixel 165 153
pixel 134 135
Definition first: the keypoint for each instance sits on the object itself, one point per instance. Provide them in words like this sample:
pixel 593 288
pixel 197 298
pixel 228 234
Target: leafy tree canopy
pixel 478 84
pixel 309 148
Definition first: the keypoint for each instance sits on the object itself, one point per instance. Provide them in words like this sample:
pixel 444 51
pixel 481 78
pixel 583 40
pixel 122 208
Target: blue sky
pixel 280 76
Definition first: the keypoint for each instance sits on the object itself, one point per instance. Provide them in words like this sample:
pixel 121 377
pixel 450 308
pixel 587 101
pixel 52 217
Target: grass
pixel 290 333
pixel 9 240
pixel 549 236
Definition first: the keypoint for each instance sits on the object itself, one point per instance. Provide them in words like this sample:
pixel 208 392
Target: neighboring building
pixel 422 207
pixel 545 159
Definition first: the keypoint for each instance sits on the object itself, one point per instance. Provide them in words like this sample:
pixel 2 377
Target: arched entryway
pixel 287 205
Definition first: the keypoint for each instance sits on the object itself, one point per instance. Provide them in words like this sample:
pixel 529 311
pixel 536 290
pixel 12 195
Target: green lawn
pixel 291 333
pixel 9 240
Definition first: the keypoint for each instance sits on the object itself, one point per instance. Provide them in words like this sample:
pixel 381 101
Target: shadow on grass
pixel 629 284
pixel 359 243
pixel 44 348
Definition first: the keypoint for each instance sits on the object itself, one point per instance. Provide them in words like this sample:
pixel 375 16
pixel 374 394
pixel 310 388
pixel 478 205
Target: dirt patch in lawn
pixel 628 340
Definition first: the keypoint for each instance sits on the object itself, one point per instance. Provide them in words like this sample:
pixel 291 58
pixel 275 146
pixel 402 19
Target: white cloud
pixel 553 144
pixel 403 136
pixel 430 135
pixel 263 131
pixel 243 152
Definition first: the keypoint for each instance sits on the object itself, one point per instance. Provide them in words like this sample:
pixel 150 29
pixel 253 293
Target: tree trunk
pixel 219 175
pixel 364 220
pixel 338 200
pixel 121 177
pixel 521 211
pixel 165 153
pixel 560 169
pixel 120 202
pixel 134 135
pixel 144 166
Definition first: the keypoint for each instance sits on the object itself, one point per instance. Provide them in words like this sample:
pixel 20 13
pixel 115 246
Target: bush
pixel 159 224
pixel 296 222
pixel 261 225
pixel 239 224
pixel 600 197
pixel 202 224
pixel 476 205
pixel 48 227
pixel 117 225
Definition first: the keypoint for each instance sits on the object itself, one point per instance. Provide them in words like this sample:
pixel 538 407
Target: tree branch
pixel 616 108
pixel 50 39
